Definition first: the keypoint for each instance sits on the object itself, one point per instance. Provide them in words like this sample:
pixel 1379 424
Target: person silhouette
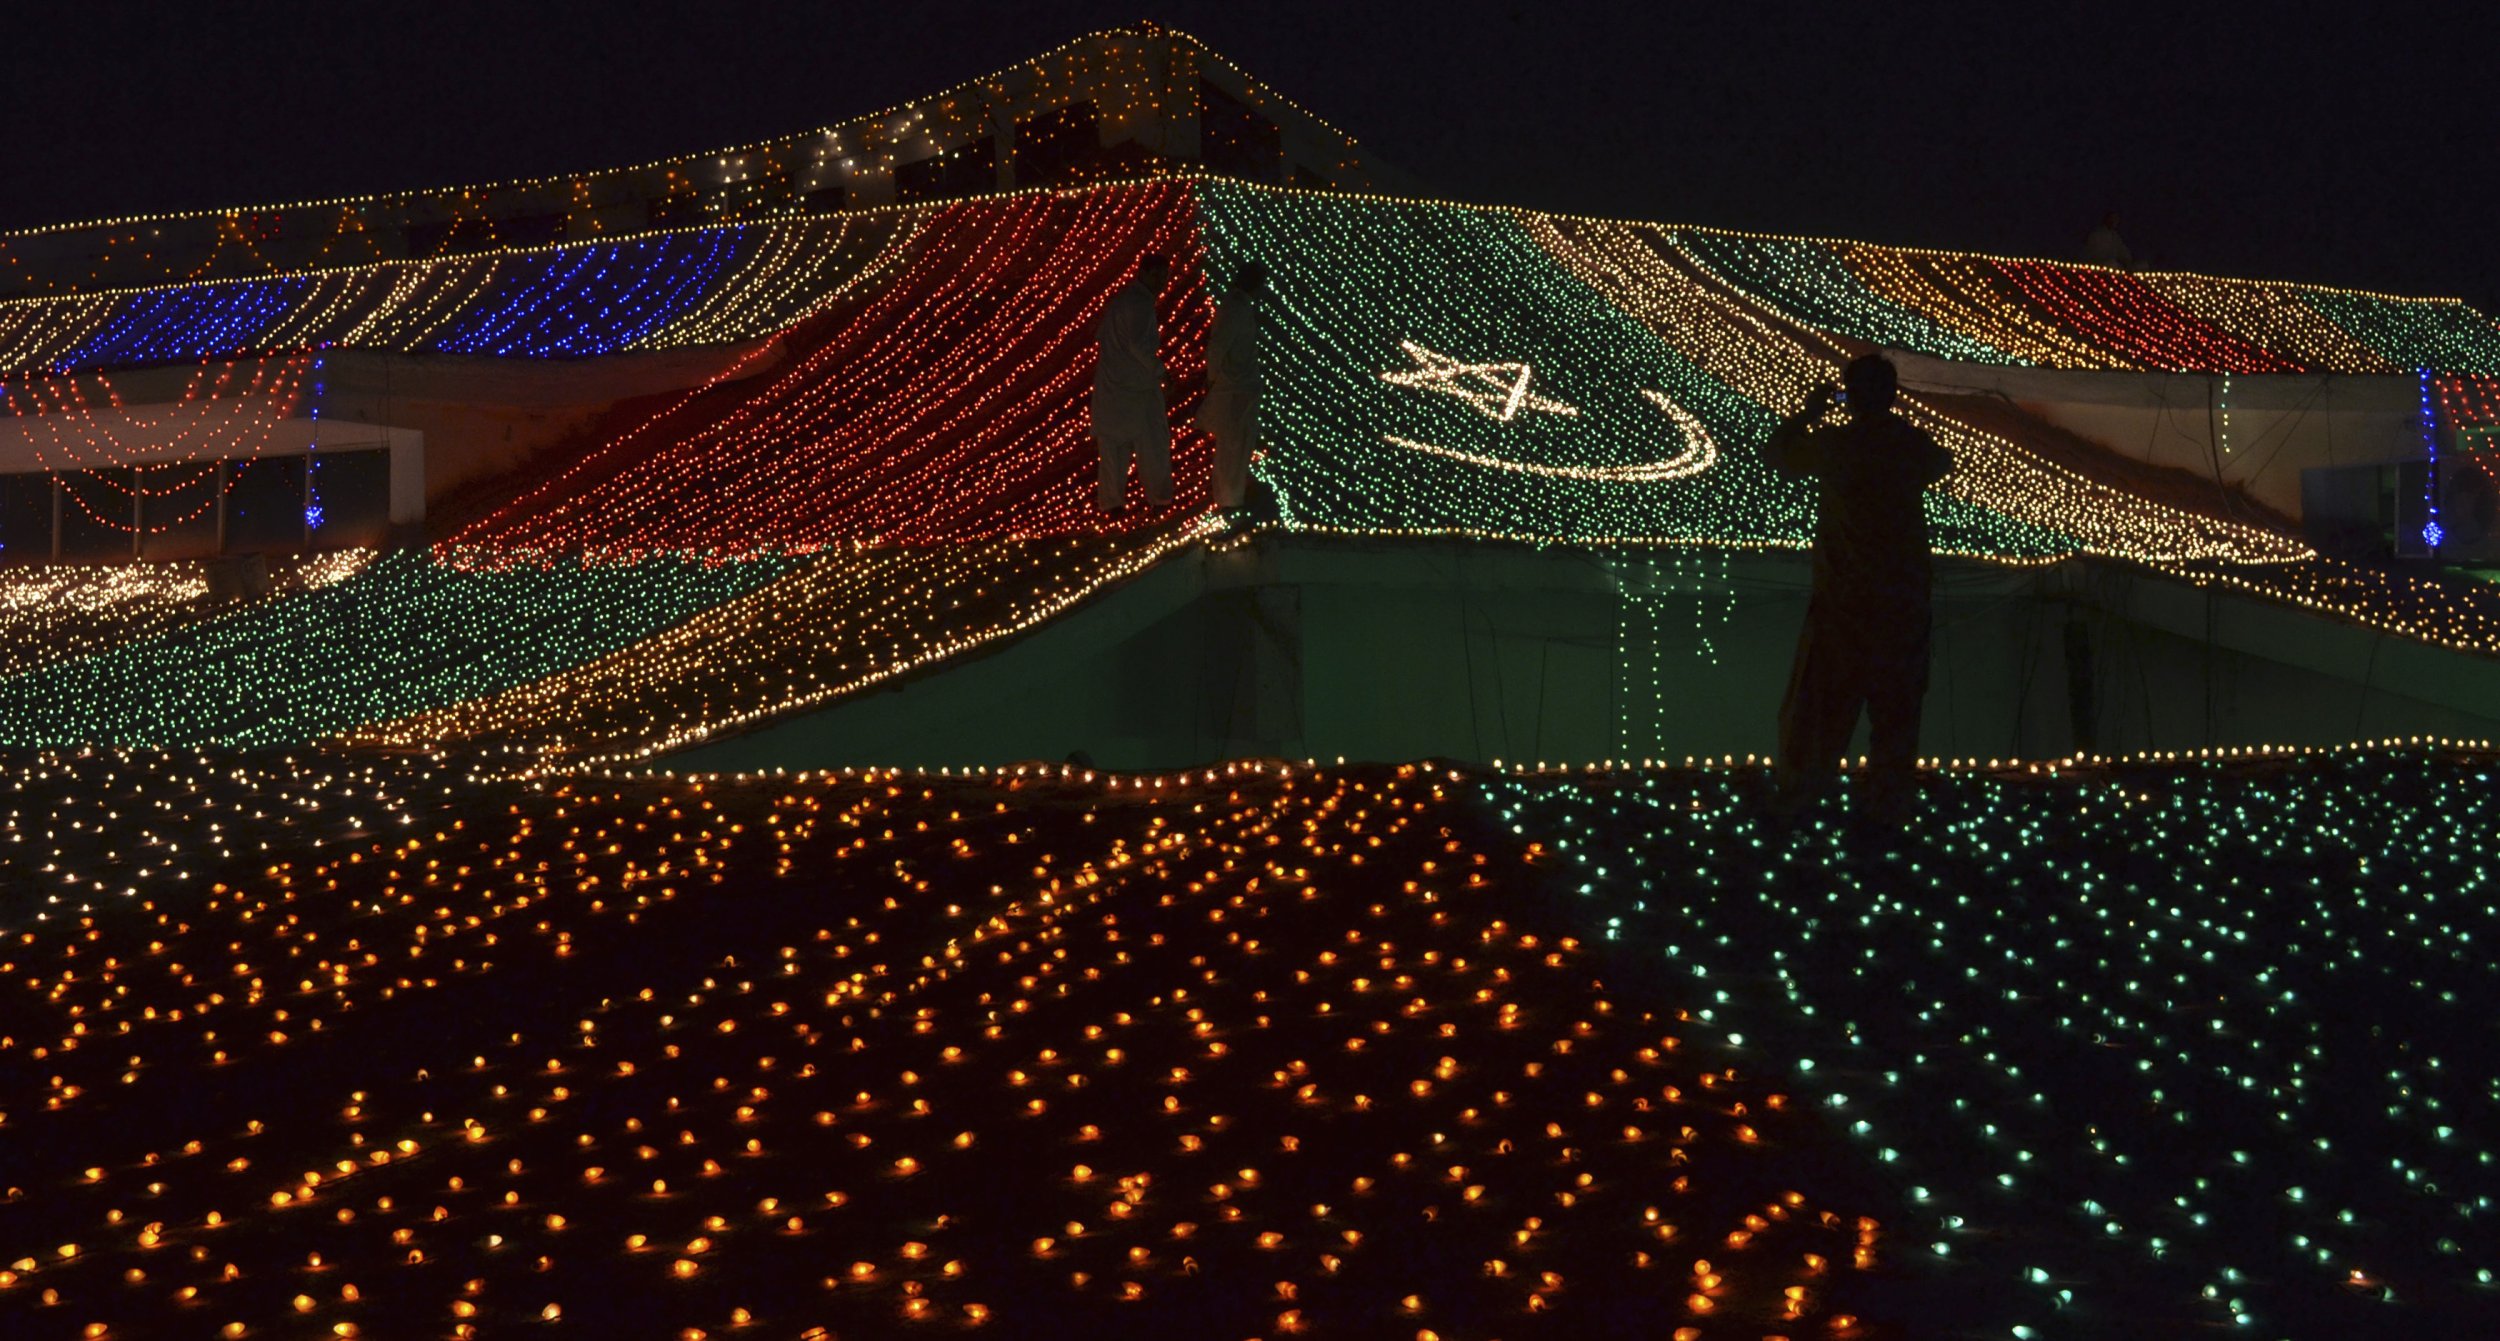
pixel 1230 413
pixel 1864 644
pixel 2103 246
pixel 1127 406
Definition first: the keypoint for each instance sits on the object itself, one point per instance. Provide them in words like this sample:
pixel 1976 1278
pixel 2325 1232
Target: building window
pixel 1235 140
pixel 350 500
pixel 178 511
pixel 25 518
pixel 1056 147
pixel 684 209
pixel 265 505
pixel 97 514
pixel 968 170
pixel 822 200
pixel 530 230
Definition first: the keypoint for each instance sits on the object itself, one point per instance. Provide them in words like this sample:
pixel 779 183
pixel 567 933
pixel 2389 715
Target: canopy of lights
pixel 916 396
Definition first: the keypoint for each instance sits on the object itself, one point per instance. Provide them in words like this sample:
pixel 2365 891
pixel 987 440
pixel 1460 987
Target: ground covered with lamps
pixel 334 1047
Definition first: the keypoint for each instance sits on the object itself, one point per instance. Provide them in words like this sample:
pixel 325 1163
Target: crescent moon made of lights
pixel 1700 453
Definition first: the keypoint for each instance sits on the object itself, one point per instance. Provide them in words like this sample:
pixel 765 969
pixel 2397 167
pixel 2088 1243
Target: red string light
pixel 214 420
pixel 948 407
pixel 61 410
pixel 2469 402
pixel 2471 407
pixel 2121 312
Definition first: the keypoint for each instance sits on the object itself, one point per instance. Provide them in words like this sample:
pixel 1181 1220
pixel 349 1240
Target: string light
pixel 1644 272
pixel 1971 295
pixel 214 420
pixel 1503 392
pixel 2274 317
pixel 2432 532
pixel 2468 402
pixel 1355 294
pixel 1999 310
pixel 668 290
pixel 101 828
pixel 164 325
pixel 2116 1081
pixel 1298 1051
pixel 2471 408
pixel 1817 287
pixel 1134 79
pixel 1948 305
pixel 2121 311
pixel 57 612
pixel 2450 337
pixel 949 407
pixel 1714 367
pixel 313 510
pixel 2450 612
pixel 400 634
pixel 835 625
pixel 1271 1019
pixel 1649 585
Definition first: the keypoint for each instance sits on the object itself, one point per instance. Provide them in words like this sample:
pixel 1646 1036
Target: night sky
pixel 2343 144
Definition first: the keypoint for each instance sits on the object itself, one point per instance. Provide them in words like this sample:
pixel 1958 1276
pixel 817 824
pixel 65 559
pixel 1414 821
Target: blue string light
pixel 2432 532
pixel 592 300
pixel 170 325
pixel 312 454
pixel 568 302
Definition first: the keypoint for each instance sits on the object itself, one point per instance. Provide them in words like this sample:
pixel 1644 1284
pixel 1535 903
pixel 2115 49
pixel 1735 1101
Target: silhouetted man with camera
pixel 1864 646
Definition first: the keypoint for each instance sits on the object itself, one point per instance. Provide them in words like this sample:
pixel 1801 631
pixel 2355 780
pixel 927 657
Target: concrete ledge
pixel 1391 649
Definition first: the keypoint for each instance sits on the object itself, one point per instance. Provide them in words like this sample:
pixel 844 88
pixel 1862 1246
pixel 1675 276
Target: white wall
pixel 2277 424
pixel 140 435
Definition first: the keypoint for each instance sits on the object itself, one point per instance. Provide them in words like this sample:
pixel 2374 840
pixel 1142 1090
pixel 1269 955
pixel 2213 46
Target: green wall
pixel 1301 646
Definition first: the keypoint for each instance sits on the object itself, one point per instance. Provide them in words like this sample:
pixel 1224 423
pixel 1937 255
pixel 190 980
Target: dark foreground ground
pixel 310 1047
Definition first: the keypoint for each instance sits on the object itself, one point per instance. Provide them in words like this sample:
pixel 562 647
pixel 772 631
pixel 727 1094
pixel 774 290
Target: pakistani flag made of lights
pixel 1429 369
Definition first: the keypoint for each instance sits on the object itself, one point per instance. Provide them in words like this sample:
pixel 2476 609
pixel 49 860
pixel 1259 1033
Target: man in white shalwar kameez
pixel 1129 418
pixel 1230 413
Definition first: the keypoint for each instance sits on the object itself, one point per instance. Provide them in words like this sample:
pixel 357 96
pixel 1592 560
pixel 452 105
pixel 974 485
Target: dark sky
pixel 2347 144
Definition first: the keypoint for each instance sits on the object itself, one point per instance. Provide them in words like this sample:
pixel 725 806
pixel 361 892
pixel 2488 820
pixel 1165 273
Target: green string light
pixel 1374 302
pixel 2130 1031
pixel 1806 280
pixel 402 635
pixel 2448 336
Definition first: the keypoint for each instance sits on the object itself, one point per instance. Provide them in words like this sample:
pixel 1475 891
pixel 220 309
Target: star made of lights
pixel 1496 390
pixel 1699 453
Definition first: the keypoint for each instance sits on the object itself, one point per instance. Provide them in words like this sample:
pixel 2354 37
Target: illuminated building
pixel 783 386
pixel 665 903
